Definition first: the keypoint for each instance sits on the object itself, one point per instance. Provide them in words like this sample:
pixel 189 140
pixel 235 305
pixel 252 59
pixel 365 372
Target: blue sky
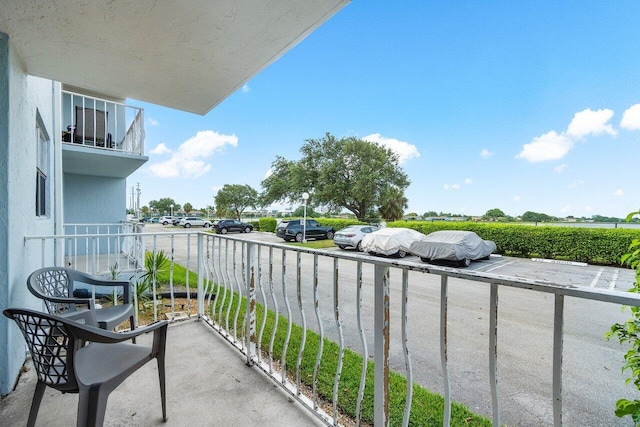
pixel 521 106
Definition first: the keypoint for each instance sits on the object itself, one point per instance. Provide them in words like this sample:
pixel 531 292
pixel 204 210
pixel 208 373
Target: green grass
pixel 426 410
pixel 316 244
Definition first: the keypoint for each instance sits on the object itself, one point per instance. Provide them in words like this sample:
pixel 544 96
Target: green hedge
pixel 592 245
pixel 338 223
pixel 268 224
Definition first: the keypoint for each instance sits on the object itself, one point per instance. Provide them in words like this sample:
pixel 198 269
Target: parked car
pixel 351 237
pixel 176 220
pixel 460 247
pixel 391 241
pixel 292 230
pixel 154 220
pixel 225 226
pixel 192 221
pixel 166 220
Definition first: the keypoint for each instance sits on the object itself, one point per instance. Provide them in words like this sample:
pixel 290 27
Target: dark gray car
pixel 457 246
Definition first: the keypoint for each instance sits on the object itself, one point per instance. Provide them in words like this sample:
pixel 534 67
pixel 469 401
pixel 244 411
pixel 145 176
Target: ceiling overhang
pixel 188 55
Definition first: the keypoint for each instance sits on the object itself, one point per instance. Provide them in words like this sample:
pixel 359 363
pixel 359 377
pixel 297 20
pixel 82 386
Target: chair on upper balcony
pixel 91 126
pixel 59 288
pixel 73 357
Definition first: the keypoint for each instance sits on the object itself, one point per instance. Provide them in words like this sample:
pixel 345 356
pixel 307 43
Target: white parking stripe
pixel 498 266
pixel 594 282
pixel 614 279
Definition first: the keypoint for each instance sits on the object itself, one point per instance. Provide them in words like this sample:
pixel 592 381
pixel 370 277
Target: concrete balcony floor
pixel 208 384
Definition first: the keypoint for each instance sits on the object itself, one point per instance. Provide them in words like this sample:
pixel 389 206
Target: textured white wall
pixel 94 199
pixel 22 99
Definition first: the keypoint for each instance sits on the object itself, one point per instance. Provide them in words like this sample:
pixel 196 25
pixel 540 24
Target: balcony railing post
pixel 381 346
pixel 201 271
pixel 250 312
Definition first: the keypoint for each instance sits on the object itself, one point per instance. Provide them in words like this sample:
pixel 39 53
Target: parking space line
pixel 594 282
pixel 499 266
pixel 614 279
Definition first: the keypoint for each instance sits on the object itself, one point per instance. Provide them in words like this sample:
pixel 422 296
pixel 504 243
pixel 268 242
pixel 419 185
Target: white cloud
pixel 152 122
pixel 245 88
pixel 566 209
pixel 618 192
pixel 187 161
pixel 576 183
pixel 590 122
pixel 560 168
pixel 160 149
pixel 631 118
pixel 268 173
pixel 451 187
pixel 549 146
pixel 468 181
pixel 516 198
pixel 404 150
pixel 486 153
pixel 588 209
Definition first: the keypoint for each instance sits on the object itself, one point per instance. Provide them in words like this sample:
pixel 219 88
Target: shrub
pixel 593 245
pixel 268 224
pixel 338 223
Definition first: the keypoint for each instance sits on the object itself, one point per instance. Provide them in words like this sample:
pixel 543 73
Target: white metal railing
pixel 103 124
pixel 367 305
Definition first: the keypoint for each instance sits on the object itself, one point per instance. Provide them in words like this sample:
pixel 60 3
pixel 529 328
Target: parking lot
pixel 563 272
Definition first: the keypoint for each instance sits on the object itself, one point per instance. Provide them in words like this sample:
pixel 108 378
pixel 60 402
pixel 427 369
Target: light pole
pixel 305 197
pixel 171 206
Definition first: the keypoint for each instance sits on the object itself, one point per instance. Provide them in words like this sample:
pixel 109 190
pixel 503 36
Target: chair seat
pixel 110 317
pixel 116 361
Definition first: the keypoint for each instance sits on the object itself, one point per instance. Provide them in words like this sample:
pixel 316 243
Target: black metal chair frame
pixel 56 286
pixel 73 357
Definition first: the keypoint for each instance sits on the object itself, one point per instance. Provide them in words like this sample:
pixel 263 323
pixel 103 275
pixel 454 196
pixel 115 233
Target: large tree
pixel 346 173
pixel 164 205
pixel 235 198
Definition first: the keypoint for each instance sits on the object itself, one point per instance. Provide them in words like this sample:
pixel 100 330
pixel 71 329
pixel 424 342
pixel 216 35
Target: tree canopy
pixel 233 199
pixel 346 173
pixel 164 205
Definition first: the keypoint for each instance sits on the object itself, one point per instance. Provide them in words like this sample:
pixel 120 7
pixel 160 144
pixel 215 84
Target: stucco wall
pixel 94 199
pixel 22 100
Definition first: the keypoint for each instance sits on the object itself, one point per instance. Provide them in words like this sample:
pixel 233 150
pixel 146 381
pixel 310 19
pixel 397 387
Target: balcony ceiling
pixel 188 55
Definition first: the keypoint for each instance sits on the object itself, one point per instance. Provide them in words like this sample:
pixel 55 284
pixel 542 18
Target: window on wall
pixel 42 171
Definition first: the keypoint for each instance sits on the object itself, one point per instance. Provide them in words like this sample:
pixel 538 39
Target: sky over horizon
pixel 516 106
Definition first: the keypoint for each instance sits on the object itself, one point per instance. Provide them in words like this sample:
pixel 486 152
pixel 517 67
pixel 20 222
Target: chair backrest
pixel 88 129
pixel 52 282
pixel 51 346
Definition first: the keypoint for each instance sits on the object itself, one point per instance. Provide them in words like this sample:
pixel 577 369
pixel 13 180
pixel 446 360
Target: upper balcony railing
pixel 434 326
pixel 102 124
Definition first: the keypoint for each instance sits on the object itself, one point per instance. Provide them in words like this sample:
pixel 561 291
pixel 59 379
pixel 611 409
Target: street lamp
pixel 171 206
pixel 305 197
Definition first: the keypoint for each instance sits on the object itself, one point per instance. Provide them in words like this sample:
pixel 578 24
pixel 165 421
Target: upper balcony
pixel 101 137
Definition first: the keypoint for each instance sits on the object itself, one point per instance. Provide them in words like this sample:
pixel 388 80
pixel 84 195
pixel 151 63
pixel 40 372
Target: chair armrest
pixel 94 334
pixel 78 276
pixel 89 302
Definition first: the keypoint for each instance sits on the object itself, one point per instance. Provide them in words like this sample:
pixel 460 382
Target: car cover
pixel 452 245
pixel 388 241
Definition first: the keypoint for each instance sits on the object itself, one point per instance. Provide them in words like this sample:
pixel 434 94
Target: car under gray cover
pixel 452 245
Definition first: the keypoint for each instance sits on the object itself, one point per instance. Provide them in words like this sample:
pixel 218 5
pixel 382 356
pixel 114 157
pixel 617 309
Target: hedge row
pixel 592 245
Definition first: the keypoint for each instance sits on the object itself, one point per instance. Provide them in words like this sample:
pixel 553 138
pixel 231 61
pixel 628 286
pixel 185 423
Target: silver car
pixel 191 221
pixel 351 237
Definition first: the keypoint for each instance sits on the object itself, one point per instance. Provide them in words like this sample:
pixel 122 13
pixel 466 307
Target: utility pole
pixel 138 191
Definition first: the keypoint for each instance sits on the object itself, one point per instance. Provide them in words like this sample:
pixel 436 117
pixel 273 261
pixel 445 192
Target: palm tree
pixel 393 204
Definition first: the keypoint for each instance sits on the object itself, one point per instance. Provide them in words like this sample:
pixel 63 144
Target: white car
pixel 191 221
pixel 391 241
pixel 351 237
pixel 166 220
